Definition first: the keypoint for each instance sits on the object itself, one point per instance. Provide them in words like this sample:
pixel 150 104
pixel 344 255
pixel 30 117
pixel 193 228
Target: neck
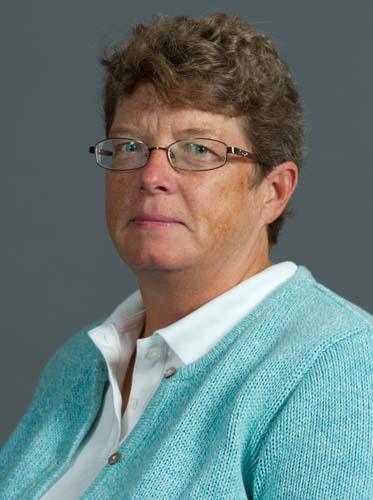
pixel 169 296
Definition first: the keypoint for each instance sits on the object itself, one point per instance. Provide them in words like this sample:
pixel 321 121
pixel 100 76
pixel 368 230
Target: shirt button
pixel 114 458
pixel 168 373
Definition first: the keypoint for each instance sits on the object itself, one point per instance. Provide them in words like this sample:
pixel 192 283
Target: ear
pixel 280 184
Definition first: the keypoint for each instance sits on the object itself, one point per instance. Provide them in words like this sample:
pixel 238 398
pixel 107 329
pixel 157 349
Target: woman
pixel 225 375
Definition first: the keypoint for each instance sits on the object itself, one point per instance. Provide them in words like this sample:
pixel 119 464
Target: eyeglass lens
pixel 189 154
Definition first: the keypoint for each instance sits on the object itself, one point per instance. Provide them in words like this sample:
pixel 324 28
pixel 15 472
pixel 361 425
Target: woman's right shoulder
pixel 73 357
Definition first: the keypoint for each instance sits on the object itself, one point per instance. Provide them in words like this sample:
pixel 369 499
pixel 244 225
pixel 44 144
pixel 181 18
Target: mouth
pixel 155 221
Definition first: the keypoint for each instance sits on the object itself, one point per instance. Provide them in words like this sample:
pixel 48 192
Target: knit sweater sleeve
pixel 319 445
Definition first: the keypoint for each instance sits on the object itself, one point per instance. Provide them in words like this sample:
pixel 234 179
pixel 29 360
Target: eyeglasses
pixel 196 154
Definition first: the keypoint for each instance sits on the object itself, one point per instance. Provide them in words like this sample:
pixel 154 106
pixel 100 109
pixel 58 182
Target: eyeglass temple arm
pixel 105 152
pixel 241 152
pixel 247 154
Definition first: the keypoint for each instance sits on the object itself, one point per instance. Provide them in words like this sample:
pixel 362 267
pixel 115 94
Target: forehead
pixel 142 98
pixel 143 112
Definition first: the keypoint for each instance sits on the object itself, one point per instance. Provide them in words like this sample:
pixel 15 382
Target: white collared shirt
pixel 180 343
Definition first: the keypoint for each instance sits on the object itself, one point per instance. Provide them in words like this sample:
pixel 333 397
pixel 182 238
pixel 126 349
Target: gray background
pixel 60 271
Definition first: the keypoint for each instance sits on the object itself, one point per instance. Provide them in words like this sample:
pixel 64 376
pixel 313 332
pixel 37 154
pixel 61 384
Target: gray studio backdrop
pixel 60 271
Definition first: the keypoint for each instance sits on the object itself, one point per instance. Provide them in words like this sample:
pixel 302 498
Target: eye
pixel 198 153
pixel 198 149
pixel 127 147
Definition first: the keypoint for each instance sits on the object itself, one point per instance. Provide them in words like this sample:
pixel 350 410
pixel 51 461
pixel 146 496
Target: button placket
pixel 133 403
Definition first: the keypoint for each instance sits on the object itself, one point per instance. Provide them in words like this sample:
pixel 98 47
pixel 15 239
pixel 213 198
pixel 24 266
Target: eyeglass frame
pixel 229 149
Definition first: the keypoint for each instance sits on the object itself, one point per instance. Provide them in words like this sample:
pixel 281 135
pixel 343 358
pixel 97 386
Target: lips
pixel 144 218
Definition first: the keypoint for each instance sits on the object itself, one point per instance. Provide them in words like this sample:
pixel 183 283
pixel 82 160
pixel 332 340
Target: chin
pixel 142 261
pixel 156 269
pixel 156 265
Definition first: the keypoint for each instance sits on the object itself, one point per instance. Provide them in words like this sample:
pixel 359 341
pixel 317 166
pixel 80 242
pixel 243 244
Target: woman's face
pixel 215 216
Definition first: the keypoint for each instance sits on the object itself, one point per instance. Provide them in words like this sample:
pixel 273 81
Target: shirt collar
pixel 195 334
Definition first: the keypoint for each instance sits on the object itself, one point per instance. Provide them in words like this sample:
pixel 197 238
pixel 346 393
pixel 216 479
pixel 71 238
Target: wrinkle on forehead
pixel 144 114
pixel 141 110
pixel 143 97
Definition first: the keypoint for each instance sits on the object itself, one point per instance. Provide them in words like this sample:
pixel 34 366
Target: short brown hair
pixel 217 64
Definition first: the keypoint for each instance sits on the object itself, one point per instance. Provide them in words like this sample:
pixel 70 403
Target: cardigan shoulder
pixel 77 355
pixel 322 308
pixel 73 380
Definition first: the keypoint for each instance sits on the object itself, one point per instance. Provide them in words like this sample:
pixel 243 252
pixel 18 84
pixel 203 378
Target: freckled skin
pixel 223 238
pixel 219 212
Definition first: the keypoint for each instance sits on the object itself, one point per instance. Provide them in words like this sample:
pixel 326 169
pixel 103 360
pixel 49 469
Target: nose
pixel 158 175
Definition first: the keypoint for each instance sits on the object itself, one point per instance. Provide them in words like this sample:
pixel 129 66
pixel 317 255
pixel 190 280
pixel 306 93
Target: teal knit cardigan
pixel 281 408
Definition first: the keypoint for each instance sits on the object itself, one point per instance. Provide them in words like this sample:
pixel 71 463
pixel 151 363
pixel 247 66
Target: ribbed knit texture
pixel 280 409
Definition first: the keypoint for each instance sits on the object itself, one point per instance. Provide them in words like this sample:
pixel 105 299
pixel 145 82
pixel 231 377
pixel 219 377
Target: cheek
pixel 232 199
pixel 111 197
pixel 114 186
pixel 236 212
pixel 117 198
pixel 221 208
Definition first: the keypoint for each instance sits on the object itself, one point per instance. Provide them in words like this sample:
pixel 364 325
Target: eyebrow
pixel 118 132
pixel 188 132
pixel 201 132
